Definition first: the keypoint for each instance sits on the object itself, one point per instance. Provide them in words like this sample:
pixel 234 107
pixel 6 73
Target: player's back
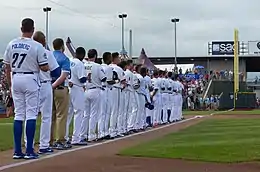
pixel 129 77
pixel 95 74
pixel 23 54
pixel 170 85
pixel 77 69
pixel 108 71
pixel 120 73
pixel 164 84
pixel 142 88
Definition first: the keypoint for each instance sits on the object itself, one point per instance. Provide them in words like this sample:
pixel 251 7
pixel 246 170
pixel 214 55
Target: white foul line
pixel 94 145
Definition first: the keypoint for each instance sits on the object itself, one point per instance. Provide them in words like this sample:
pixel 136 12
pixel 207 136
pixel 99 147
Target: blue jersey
pixel 64 65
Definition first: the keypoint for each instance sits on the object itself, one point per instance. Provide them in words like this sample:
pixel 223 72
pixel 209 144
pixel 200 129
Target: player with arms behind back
pixel 25 58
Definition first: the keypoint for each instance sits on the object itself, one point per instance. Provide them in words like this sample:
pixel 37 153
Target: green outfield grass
pixel 236 112
pixel 6 133
pixel 214 140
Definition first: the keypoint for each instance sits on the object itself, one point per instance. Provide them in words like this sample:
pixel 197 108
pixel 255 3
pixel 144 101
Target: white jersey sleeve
pixel 42 56
pixel 53 64
pixel 101 73
pixel 81 72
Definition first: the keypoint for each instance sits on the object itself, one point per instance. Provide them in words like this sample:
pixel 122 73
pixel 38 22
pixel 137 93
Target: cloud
pixel 95 24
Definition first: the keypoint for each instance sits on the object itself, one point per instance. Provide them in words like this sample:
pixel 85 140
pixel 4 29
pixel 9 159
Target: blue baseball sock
pixel 148 121
pixel 18 131
pixel 162 115
pixel 169 115
pixel 30 131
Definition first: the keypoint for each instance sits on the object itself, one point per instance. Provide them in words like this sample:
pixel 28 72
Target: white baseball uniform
pixel 116 107
pixel 77 98
pixel 180 100
pixel 174 115
pixel 123 104
pixel 24 56
pixel 93 99
pixel 141 118
pixel 136 86
pixel 85 120
pixel 103 120
pixel 165 99
pixel 46 100
pixel 157 101
pixel 170 101
pixel 130 101
pixel 148 84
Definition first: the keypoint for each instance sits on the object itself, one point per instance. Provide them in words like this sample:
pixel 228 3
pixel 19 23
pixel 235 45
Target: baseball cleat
pixel 45 151
pixel 29 156
pixel 81 143
pixel 18 156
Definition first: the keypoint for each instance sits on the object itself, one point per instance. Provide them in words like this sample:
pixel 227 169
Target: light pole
pixel 175 21
pixel 123 16
pixel 47 10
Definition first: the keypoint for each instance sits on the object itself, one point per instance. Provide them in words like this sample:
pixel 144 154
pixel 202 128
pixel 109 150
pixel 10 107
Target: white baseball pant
pixel 76 110
pixel 114 94
pixel 132 110
pixel 46 100
pixel 93 101
pixel 157 109
pixel 141 118
pixel 175 107
pixel 165 100
pixel 26 96
pixel 103 112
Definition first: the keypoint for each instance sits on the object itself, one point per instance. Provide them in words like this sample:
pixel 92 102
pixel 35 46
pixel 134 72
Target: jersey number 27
pixel 18 58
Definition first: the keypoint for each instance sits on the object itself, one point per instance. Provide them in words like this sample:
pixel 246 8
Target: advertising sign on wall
pixel 253 47
pixel 223 48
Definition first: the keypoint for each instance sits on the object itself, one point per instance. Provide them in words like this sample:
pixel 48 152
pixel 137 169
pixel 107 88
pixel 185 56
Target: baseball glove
pixel 9 102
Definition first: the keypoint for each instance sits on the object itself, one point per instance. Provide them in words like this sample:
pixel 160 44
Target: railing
pixel 207 88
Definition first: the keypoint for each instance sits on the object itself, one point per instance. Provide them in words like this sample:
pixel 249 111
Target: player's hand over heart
pixel 70 84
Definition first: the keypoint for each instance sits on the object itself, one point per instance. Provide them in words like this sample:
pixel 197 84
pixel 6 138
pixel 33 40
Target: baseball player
pixel 123 100
pixel 46 96
pixel 174 110
pixel 96 75
pixel 85 120
pixel 148 86
pixel 115 95
pixel 180 100
pixel 165 97
pixel 25 58
pixel 77 80
pixel 103 123
pixel 136 86
pixel 132 107
pixel 156 98
pixel 141 96
pixel 170 101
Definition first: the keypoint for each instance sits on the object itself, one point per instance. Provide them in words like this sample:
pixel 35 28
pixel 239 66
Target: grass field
pixel 6 128
pixel 6 133
pixel 214 140
pixel 237 112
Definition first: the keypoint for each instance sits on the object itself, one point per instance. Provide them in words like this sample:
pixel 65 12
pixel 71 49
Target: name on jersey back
pixel 21 46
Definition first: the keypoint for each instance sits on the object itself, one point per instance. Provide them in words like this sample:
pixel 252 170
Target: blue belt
pixel 22 73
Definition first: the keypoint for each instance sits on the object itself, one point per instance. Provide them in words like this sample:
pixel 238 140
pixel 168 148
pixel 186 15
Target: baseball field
pixel 205 141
